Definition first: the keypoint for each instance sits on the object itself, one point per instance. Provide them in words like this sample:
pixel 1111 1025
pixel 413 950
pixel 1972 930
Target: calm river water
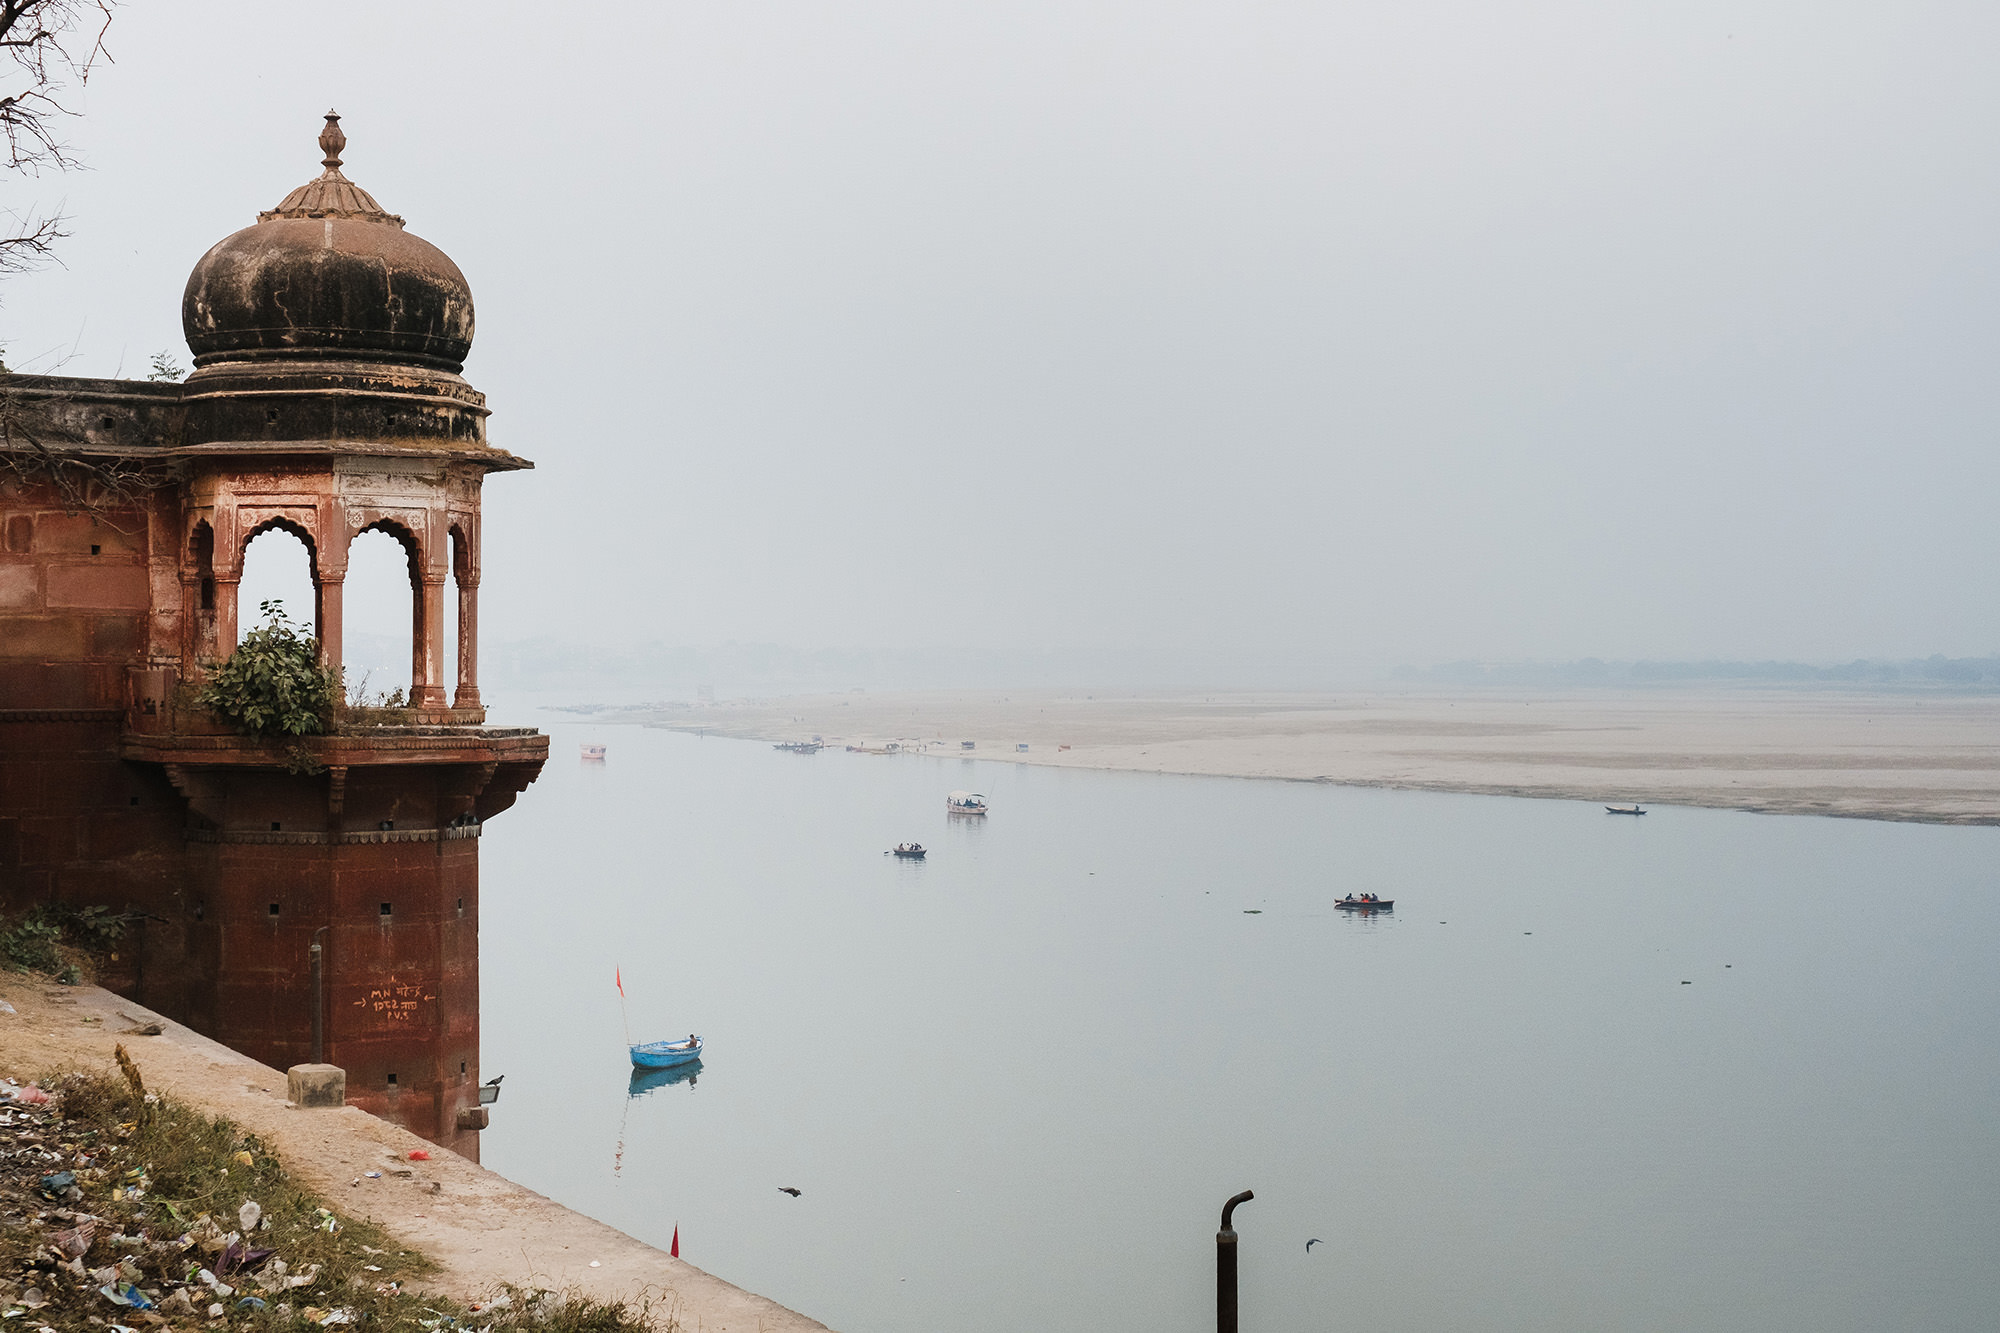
pixel 1699 1070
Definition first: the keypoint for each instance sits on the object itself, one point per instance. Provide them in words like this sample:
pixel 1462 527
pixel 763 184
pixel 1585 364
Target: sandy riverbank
pixel 1926 757
pixel 482 1229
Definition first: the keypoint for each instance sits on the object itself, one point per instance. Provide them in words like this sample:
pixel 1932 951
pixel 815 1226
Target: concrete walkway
pixel 483 1229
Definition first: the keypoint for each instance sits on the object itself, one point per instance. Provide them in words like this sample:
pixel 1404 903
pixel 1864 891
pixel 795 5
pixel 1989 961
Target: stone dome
pixel 328 275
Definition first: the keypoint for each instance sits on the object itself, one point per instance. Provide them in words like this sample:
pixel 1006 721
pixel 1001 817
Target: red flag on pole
pixel 618 974
pixel 676 1250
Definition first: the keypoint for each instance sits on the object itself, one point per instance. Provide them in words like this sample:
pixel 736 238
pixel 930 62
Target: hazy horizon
pixel 1250 333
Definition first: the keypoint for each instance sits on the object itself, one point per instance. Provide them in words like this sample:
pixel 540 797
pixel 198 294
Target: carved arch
pixel 292 526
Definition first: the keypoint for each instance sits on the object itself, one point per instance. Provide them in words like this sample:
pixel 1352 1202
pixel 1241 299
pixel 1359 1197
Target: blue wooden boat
pixel 665 1054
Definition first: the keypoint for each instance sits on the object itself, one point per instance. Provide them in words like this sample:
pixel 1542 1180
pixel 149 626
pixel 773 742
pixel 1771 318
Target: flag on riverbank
pixel 618 975
pixel 676 1250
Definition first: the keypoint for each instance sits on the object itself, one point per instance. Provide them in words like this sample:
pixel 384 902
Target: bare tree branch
pixel 51 43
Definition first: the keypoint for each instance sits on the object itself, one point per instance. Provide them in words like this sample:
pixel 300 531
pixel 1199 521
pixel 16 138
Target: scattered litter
pixel 55 1186
pixel 372 1175
pixel 246 1159
pixel 250 1303
pixel 249 1215
pixel 6 1008
pixel 595 1264
pixel 420 1156
pixel 124 1293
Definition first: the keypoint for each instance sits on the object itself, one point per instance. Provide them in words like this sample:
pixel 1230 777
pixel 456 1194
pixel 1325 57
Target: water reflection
pixel 644 1083
pixel 652 1080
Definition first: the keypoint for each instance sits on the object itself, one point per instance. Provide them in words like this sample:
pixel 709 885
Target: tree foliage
pixel 273 684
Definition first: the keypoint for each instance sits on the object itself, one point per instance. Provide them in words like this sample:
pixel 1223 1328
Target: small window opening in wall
pixel 274 909
pixel 275 826
pixel 461 907
pixel 97 550
pixel 392 1080
pixel 108 422
pixel 271 416
pixel 461 1066
pixel 386 825
pixel 385 909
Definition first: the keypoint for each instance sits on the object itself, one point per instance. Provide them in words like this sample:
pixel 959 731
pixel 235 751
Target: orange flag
pixel 618 974
pixel 676 1250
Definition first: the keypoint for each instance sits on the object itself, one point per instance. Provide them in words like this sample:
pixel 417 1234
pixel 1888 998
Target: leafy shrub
pixel 36 940
pixel 273 684
pixel 30 944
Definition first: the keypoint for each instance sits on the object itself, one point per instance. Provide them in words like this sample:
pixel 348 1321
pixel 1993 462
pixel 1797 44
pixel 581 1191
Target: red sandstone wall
pixel 77 823
pixel 81 824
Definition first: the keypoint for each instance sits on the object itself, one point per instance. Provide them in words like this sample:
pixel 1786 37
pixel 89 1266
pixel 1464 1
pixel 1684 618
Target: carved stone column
pixel 225 613
pixel 427 644
pixel 468 647
pixel 328 595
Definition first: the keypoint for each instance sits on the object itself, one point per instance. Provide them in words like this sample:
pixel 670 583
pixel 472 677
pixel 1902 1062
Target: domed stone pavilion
pixel 326 400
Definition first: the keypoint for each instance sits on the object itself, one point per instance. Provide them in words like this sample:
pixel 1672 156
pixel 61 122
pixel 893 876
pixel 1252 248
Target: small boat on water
pixel 799 747
pixel 909 851
pixel 593 754
pixel 1624 810
pixel 965 803
pixel 1367 902
pixel 666 1054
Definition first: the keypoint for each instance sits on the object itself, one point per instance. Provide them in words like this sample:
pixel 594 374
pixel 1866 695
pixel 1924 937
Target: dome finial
pixel 331 141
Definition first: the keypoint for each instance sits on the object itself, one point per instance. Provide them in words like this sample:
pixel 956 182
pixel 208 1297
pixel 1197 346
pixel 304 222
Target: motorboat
pixel 965 803
pixel 665 1054
pixel 1367 902
pixel 1624 810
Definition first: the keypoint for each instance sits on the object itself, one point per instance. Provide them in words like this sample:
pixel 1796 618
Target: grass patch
pixel 107 1192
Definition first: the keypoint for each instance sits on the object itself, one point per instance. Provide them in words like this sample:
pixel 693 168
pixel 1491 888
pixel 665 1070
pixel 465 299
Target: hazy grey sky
pixel 1366 332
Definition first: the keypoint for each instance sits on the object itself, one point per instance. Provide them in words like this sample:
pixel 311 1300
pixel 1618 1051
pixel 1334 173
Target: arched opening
pixel 277 567
pixel 379 605
pixel 201 554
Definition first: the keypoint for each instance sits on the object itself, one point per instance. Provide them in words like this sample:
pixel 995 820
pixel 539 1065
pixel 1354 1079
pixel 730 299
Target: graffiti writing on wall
pixel 395 1002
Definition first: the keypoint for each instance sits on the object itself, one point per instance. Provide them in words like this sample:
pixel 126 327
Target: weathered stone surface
pixel 316 1087
pixel 327 403
pixel 121 587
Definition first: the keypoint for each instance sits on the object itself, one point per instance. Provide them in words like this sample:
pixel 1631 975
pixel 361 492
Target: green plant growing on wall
pixel 273 684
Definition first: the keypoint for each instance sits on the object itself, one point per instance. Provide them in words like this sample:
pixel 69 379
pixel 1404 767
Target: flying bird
pixel 788 1189
pixel 1314 1241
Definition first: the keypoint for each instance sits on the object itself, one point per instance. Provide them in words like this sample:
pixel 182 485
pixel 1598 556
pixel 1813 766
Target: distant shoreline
pixel 1912 757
